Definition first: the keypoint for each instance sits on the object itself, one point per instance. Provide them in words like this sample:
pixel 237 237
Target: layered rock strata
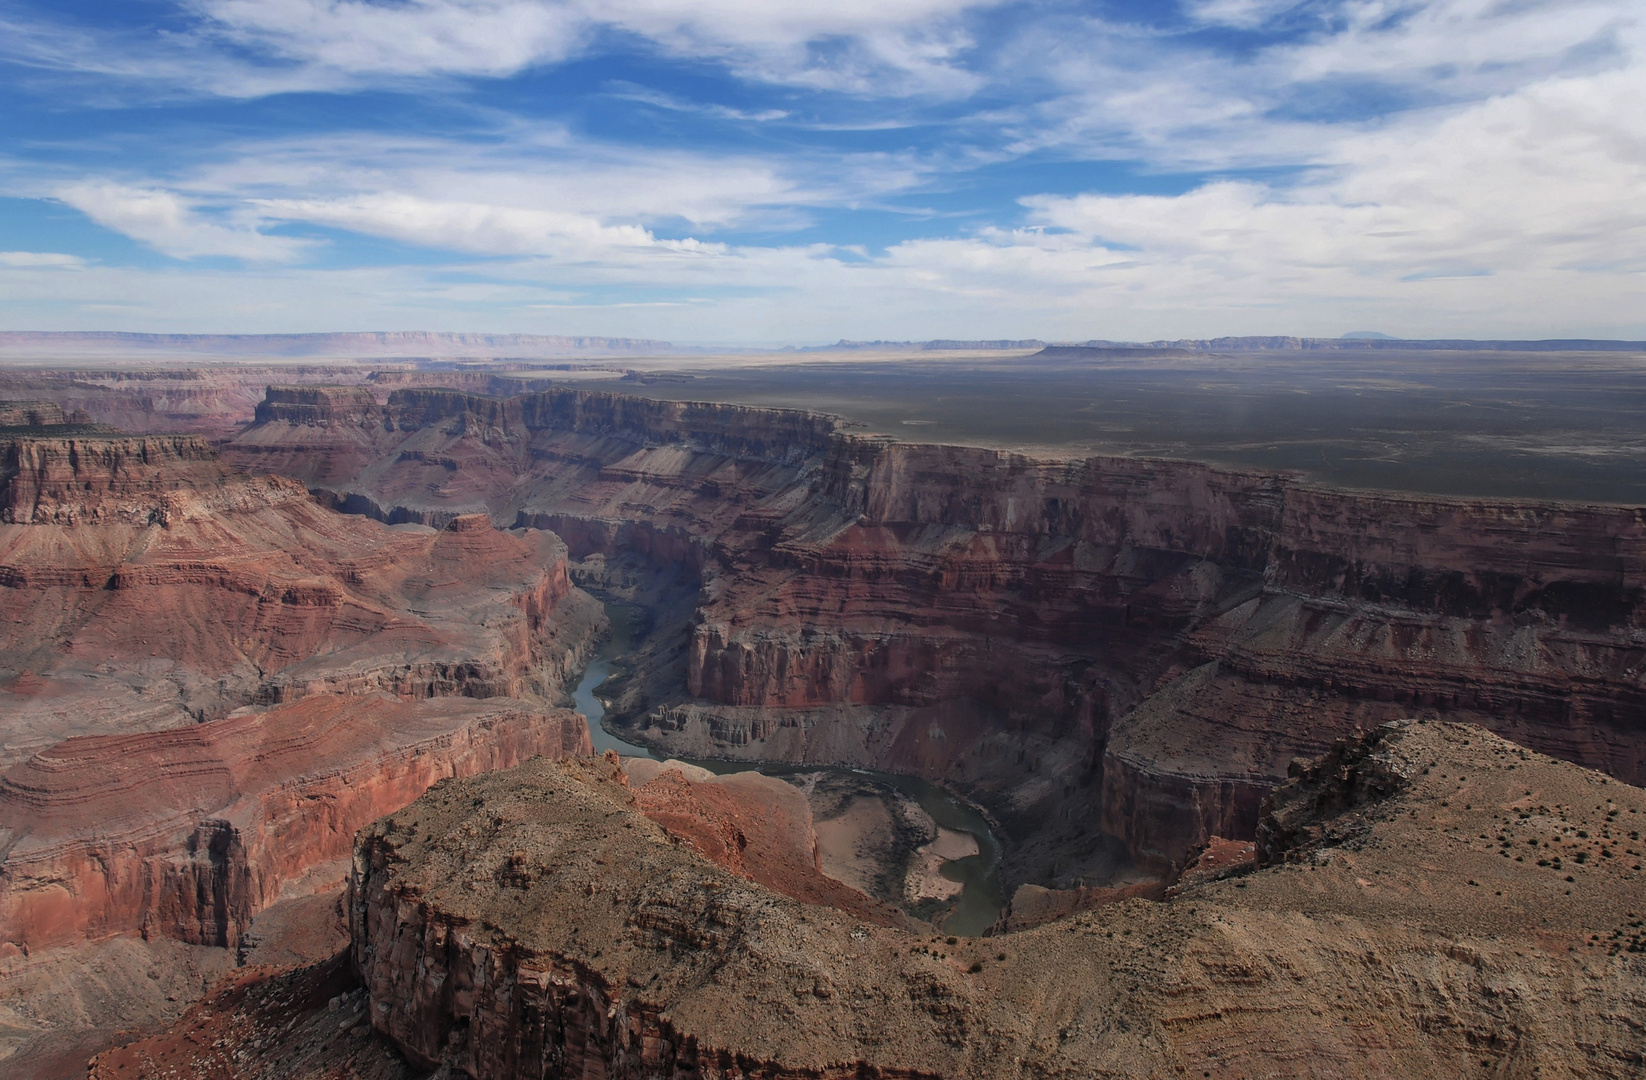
pixel 1480 900
pixel 209 682
pixel 143 587
pixel 1109 645
pixel 189 833
pixel 203 399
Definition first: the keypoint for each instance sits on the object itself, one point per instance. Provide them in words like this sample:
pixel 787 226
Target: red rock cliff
pixel 1142 644
pixel 189 833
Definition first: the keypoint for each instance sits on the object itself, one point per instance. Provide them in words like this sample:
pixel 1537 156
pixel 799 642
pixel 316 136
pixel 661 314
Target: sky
pixel 758 173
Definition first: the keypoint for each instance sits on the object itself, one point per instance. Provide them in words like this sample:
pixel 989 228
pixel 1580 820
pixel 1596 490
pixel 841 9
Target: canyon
pixel 1138 645
pixel 209 683
pixel 327 633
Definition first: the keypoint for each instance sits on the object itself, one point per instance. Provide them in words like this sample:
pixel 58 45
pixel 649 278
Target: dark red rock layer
pixel 153 605
pixel 188 833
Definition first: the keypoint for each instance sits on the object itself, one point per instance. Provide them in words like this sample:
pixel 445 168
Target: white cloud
pixel 478 228
pixel 1133 92
pixel 421 37
pixel 1516 216
pixel 1509 203
pixel 853 45
pixel 526 169
pixel 41 260
pixel 1245 14
pixel 170 224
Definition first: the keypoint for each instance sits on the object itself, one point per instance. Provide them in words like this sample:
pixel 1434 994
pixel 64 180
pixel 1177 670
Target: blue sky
pixel 744 172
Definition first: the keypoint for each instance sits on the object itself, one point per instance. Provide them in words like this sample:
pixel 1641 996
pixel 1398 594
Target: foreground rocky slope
pixel 1433 902
pixel 1111 645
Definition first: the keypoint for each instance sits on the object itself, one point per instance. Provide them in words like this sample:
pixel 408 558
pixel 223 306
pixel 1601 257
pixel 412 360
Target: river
pixel 980 901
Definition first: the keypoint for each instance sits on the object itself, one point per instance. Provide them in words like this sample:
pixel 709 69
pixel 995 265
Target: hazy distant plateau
pixel 1567 425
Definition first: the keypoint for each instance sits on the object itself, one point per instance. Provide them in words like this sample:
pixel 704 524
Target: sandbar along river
pixel 980 900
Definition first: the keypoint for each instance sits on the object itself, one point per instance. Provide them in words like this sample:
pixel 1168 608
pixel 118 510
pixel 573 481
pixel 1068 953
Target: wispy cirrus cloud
pixel 173 225
pixel 41 260
pixel 1417 166
pixel 251 48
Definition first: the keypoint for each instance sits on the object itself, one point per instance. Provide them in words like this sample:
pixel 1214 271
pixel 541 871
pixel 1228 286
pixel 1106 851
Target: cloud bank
pixel 905 168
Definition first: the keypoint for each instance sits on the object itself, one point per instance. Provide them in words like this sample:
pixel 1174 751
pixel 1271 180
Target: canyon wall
pixel 1140 645
pixel 208 682
pixel 50 480
pixel 188 833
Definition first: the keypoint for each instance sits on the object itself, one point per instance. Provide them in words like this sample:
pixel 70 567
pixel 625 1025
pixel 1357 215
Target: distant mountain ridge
pixel 1306 344
pixel 428 344
pixel 421 343
pixel 1360 340
pixel 935 345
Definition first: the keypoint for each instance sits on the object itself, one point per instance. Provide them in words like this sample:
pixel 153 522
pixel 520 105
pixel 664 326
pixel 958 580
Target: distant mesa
pixel 1359 340
pixel 376 345
pixel 31 413
pixel 934 345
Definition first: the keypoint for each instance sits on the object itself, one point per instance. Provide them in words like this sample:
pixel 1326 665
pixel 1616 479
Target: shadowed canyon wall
pixel 1139 644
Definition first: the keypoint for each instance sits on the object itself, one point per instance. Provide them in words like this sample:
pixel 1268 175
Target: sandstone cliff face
pixel 757 827
pixel 533 922
pixel 188 833
pixel 64 481
pixel 1140 645
pixel 316 404
pixel 208 683
pixel 1195 628
pixel 146 606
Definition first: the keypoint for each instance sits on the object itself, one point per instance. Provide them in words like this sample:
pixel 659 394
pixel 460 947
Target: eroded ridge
pixel 1480 900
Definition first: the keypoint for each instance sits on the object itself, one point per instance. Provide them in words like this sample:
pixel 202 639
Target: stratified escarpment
pixel 142 586
pixel 189 833
pixel 1130 646
pixel 202 399
pixel 51 479
pixel 208 682
pixel 1480 900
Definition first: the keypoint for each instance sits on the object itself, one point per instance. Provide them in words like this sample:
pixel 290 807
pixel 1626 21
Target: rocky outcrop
pixel 533 922
pixel 591 987
pixel 315 404
pixel 188 833
pixel 1322 793
pixel 31 413
pixel 65 481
